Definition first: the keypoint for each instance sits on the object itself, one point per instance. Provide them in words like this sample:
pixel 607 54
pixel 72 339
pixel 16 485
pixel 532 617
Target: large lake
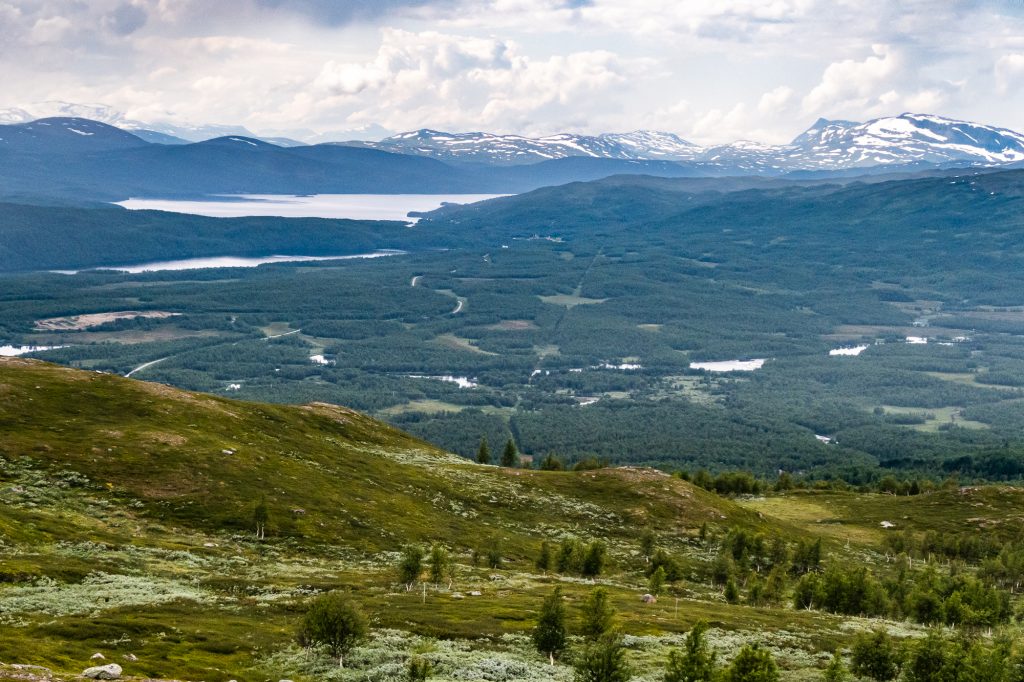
pixel 352 206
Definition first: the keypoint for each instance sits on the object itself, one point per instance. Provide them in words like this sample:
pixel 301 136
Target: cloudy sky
pixel 709 70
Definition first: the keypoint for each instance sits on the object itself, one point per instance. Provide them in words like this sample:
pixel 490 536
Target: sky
pixel 712 71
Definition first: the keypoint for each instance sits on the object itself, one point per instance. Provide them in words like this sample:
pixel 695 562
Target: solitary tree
pixel 483 453
pixel 440 564
pixel 260 516
pixel 549 634
pixel 598 614
pixel 752 664
pixel 603 660
pixel 544 559
pixel 696 663
pixel 410 566
pixel 333 621
pixel 510 456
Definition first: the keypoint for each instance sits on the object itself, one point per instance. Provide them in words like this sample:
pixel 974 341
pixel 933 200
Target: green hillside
pixel 127 529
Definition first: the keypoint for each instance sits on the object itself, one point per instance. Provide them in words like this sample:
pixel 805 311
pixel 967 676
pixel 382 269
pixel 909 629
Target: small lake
pixel 729 365
pixel 351 206
pixel 848 351
pixel 461 382
pixel 225 262
pixel 15 351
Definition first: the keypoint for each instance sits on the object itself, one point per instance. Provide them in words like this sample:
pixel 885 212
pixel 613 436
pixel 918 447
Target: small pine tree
pixel 483 453
pixel 510 456
pixel 549 634
pixel 836 670
pixel 410 566
pixel 732 593
pixel 598 614
pixel 594 559
pixel 696 663
pixel 647 542
pixel 752 664
pixel 545 558
pixel 494 557
pixel 260 516
pixel 656 583
pixel 570 556
pixel 603 660
pixel 333 621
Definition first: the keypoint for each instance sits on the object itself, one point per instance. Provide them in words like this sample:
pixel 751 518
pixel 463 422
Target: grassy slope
pixel 124 528
pixel 361 483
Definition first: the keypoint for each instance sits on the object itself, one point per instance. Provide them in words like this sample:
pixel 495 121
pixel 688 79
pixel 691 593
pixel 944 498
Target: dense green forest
pixel 567 319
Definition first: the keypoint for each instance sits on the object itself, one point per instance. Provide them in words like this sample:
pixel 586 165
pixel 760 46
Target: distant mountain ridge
pixel 80 158
pixel 641 145
pixel 905 140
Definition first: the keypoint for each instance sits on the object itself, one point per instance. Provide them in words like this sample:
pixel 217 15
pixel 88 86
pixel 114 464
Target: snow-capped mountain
pixel 906 140
pixel 910 138
pixel 517 149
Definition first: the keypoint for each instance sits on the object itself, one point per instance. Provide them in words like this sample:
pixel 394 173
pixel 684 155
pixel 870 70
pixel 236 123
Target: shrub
pixel 333 621
pixel 418 670
pixel 752 664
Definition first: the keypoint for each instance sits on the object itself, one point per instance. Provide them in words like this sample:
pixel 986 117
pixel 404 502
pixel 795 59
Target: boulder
pixel 111 671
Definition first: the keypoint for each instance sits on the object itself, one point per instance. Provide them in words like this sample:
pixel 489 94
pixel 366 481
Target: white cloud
pixel 50 29
pixel 775 101
pixel 1009 70
pixel 851 83
pixel 438 79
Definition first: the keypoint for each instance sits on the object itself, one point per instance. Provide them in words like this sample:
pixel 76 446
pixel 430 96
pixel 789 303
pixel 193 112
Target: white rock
pixel 97 657
pixel 111 671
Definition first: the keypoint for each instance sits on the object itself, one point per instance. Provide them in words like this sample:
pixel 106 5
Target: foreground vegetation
pixel 188 536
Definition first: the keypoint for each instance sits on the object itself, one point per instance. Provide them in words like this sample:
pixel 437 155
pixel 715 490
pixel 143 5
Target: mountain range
pixel 908 139
pixel 88 158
